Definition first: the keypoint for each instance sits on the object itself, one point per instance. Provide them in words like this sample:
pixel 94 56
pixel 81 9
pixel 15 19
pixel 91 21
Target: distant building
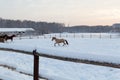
pixel 21 31
pixel 116 27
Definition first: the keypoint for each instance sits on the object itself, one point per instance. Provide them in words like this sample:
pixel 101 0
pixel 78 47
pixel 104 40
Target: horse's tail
pixel 66 42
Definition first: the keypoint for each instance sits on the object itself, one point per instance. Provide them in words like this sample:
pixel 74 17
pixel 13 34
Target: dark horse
pixel 2 40
pixel 3 36
pixel 10 37
pixel 57 41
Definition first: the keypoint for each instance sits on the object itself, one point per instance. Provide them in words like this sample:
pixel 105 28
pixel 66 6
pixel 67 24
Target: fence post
pixel 60 35
pixel 36 66
pixel 44 36
pixel 50 35
pixel 66 35
pixel 74 35
pixel 100 35
pixel 110 36
pixel 90 35
pixel 82 36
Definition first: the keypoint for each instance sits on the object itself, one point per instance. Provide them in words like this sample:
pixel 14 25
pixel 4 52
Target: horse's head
pixel 4 35
pixel 53 38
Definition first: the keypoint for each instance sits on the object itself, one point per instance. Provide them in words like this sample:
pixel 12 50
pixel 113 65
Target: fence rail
pixel 74 35
pixel 65 58
pixel 84 35
pixel 36 60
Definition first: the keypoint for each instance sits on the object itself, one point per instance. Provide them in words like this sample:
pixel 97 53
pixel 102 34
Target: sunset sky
pixel 72 12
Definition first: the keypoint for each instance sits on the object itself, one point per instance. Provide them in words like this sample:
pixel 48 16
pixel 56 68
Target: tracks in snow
pixel 14 69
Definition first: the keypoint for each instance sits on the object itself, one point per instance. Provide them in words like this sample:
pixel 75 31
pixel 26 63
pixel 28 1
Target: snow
pixel 96 49
pixel 7 74
pixel 53 69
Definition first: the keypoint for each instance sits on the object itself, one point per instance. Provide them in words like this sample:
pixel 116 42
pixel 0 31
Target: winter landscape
pixel 59 39
pixel 95 49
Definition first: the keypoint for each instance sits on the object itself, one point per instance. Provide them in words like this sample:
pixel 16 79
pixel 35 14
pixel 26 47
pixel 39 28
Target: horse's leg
pixel 63 43
pixel 3 40
pixel 58 44
pixel 11 39
pixel 54 44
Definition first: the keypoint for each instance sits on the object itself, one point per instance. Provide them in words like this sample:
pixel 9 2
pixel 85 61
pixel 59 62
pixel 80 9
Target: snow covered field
pixel 96 49
pixel 53 69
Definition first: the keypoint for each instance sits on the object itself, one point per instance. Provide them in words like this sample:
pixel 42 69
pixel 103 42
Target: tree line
pixel 40 27
pixel 53 27
pixel 90 29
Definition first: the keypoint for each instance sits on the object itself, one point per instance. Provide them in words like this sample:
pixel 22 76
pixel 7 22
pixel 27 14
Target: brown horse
pixel 10 37
pixel 3 36
pixel 57 41
pixel 2 40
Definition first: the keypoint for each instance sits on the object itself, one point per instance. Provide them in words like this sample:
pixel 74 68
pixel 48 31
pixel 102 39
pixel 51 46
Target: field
pixel 95 48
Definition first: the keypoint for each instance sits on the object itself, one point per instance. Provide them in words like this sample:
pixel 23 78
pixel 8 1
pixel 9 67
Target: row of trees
pixel 40 27
pixel 45 27
pixel 84 28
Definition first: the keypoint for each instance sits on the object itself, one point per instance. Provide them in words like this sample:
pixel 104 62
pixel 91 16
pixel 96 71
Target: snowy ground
pixel 96 49
pixel 6 74
pixel 53 69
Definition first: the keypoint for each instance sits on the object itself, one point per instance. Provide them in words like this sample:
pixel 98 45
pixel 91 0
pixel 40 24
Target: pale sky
pixel 72 12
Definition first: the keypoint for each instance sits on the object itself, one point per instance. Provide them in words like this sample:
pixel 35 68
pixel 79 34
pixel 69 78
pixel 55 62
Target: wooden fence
pixel 83 35
pixel 37 55
pixel 74 35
